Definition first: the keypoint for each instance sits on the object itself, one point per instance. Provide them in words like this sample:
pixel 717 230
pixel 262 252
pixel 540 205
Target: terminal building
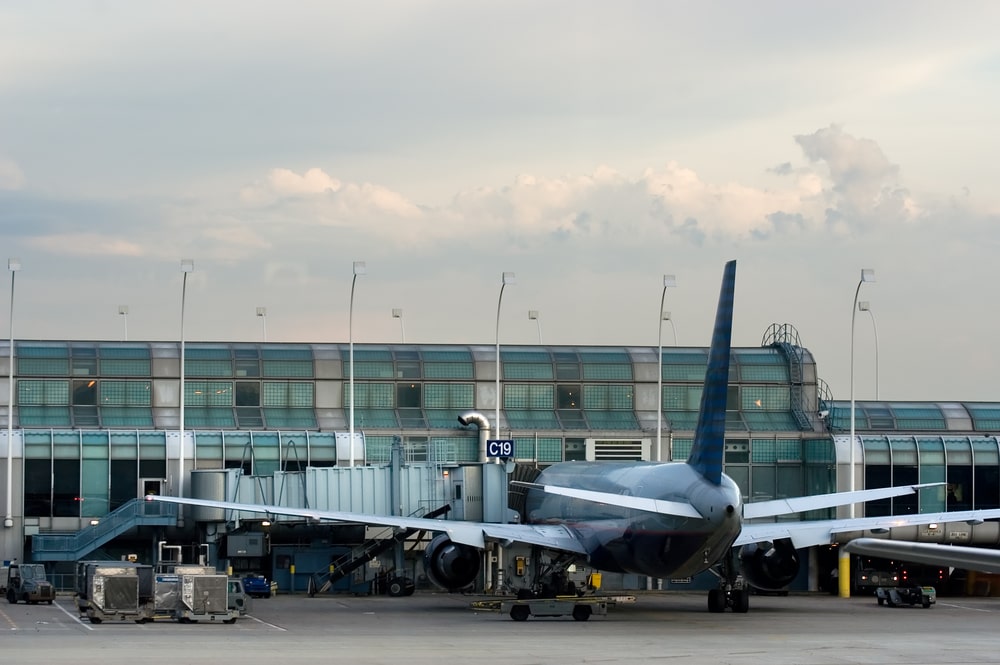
pixel 95 426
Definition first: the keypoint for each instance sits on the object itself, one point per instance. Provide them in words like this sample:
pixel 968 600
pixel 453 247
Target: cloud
pixel 865 188
pixel 85 244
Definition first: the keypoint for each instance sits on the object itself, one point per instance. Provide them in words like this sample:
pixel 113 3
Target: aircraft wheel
pixel 926 603
pixel 95 619
pixel 582 612
pixel 741 601
pixel 11 597
pixel 716 600
pixel 520 612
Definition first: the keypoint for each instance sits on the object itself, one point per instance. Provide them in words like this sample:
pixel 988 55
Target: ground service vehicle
pixel 27 582
pixel 906 595
pixel 258 586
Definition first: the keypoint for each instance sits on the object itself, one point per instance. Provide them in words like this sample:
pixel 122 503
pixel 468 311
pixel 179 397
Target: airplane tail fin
pixel 710 435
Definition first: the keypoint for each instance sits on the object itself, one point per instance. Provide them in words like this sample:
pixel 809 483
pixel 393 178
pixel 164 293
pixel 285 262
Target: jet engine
pixel 769 566
pixel 449 565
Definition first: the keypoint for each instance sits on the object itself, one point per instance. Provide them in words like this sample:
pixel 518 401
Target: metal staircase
pixel 363 553
pixel 77 545
pixel 785 337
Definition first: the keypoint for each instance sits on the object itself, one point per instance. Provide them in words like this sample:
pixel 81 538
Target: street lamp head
pixel 669 281
pixel 123 309
pixel 666 316
pixel 507 278
pixel 867 275
pixel 262 311
pixel 397 312
pixel 13 264
pixel 864 306
pixel 360 268
pixel 532 314
pixel 187 265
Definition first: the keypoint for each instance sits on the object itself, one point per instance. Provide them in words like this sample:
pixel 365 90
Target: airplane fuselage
pixel 628 540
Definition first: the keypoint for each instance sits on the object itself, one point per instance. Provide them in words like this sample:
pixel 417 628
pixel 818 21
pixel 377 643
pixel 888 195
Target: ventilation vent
pixel 617 450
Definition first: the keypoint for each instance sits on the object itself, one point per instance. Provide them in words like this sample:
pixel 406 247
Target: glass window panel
pixel 609 397
pixel 448 395
pixel 904 450
pixel 767 398
pixel 196 367
pixel 529 396
pixel 539 448
pixel 249 417
pixel 412 418
pixel 125 367
pixel 377 418
pixel 764 373
pixel 789 481
pixel 247 393
pixel 42 366
pixel 453 370
pixel 126 393
pixel 568 396
pixel 85 392
pixel 32 392
pixel 607 371
pixel 682 398
pixel 66 488
pixel 684 373
pixel 370 369
pixel 572 419
pixel 922 418
pixel 408 395
pixel 44 416
pixel 877 476
pixel 248 368
pixel 368 395
pixel 681 448
pixel 454 355
pixel 876 449
pixel 441 418
pixel 763 482
pixel 568 371
pixel 209 416
pixel 681 420
pixel 126 416
pixel 763 451
pixel 407 369
pixel 819 451
pixel 208 393
pixel 958 449
pixel 85 416
pixel 788 450
pixel 762 356
pixel 84 361
pixel 527 371
pixel 987 487
pixel 25 350
pixel 287 368
pixel 38 488
pixel 931 450
pixel 985 451
pixel 611 419
pixel 531 419
pixel 94 491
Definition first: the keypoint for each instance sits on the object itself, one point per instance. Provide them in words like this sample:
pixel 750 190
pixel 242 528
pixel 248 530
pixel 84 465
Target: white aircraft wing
pixel 803 503
pixel 660 506
pixel 969 558
pixel 821 532
pixel 553 536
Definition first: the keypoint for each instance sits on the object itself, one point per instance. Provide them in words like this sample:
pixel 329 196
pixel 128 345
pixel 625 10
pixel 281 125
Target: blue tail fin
pixel 710 436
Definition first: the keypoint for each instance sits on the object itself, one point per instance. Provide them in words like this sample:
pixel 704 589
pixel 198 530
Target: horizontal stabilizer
pixel 660 506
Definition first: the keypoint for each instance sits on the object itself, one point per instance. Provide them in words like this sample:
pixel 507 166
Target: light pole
pixel 187 266
pixel 865 306
pixel 867 275
pixel 667 317
pixel 8 521
pixel 533 316
pixel 262 313
pixel 123 312
pixel 359 269
pixel 505 279
pixel 397 313
pixel 669 281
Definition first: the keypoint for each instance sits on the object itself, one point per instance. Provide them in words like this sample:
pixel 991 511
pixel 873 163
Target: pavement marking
pixel 74 617
pixel 964 607
pixel 265 623
pixel 13 626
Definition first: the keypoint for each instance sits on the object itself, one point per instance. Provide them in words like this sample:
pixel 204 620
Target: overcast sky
pixel 589 147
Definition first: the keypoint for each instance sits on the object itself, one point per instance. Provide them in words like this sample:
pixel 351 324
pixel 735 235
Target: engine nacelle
pixel 449 565
pixel 769 566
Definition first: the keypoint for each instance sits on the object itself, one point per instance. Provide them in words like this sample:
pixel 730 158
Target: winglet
pixel 710 435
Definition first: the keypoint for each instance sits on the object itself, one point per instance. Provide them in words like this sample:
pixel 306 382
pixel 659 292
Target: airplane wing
pixel 969 558
pixel 552 536
pixel 821 532
pixel 660 506
pixel 803 503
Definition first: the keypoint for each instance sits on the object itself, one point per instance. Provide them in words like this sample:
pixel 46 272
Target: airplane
pixel 659 519
pixel 954 556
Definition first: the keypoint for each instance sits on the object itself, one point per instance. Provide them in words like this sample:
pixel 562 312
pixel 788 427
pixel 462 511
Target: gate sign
pixel 502 448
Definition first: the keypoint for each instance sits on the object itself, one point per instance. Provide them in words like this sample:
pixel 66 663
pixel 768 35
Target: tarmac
pixel 671 627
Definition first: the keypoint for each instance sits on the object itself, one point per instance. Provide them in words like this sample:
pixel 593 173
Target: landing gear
pixel 732 591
